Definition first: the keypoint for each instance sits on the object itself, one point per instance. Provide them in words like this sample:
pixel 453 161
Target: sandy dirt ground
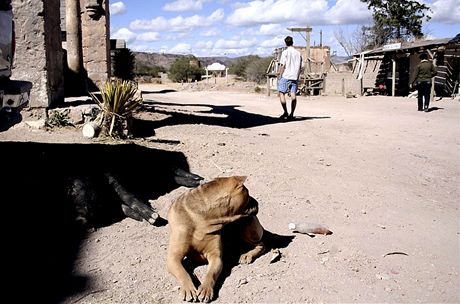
pixel 383 177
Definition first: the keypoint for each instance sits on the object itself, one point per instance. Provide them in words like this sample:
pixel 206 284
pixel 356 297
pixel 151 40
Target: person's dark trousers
pixel 424 91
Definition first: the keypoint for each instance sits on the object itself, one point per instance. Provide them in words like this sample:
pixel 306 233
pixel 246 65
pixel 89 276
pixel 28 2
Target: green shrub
pixel 123 64
pixel 182 71
pixel 147 70
pixel 59 118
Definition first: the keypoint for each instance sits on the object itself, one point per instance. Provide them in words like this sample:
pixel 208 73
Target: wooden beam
pixel 393 78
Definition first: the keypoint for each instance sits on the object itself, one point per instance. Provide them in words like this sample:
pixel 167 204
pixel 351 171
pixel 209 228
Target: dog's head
pixel 223 196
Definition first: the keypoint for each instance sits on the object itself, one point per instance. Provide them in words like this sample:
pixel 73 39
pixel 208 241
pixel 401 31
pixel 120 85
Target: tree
pixel 396 20
pixel 238 68
pixel 123 64
pixel 257 69
pixel 143 69
pixel 355 42
pixel 182 70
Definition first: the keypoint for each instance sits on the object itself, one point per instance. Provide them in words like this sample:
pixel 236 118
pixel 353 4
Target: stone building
pixel 44 44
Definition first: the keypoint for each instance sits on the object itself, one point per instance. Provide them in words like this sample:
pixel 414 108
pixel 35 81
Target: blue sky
pixel 237 28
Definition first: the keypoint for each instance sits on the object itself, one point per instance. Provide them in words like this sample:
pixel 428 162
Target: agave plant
pixel 119 101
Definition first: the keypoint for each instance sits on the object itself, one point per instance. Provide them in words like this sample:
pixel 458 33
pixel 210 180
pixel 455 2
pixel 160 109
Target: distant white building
pixel 218 68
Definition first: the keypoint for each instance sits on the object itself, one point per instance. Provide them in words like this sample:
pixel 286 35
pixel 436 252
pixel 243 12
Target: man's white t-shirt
pixel 292 61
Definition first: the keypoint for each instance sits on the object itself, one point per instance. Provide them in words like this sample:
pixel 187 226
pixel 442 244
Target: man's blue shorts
pixel 284 85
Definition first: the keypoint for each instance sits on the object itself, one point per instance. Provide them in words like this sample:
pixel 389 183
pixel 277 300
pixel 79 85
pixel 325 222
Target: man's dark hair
pixel 288 40
pixel 423 56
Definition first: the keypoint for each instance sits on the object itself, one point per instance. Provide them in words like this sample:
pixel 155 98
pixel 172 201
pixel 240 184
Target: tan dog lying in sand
pixel 196 220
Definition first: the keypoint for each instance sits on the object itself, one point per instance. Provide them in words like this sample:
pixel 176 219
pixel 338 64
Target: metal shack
pixel 395 65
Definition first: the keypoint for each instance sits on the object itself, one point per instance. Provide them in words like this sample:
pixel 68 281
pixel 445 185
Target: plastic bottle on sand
pixel 309 228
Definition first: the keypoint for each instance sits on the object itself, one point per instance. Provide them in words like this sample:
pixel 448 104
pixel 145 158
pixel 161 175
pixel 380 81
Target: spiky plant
pixel 119 101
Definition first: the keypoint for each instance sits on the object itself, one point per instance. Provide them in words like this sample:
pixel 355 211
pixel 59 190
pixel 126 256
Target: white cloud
pixel 271 29
pixel 181 48
pixel 299 12
pixel 207 45
pixel 149 36
pixel 277 12
pixel 263 52
pixel 184 5
pixel 117 8
pixel 446 11
pixel 210 33
pixel 179 23
pixel 349 12
pixel 142 48
pixel 124 34
pixel 159 24
pixel 234 44
pixel 277 41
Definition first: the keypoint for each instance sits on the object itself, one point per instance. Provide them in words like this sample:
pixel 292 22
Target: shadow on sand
pixel 233 247
pixel 159 92
pixel 225 116
pixel 434 109
pixel 40 233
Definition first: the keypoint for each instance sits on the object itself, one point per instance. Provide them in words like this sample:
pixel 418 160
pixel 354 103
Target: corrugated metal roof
pixel 410 45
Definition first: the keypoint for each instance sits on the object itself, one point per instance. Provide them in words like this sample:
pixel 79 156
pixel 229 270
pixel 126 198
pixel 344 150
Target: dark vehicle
pixel 14 94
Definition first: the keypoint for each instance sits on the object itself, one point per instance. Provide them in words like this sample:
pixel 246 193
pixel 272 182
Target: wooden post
pixel 307 38
pixel 393 78
pixel 268 85
pixel 324 85
pixel 343 86
pixel 432 79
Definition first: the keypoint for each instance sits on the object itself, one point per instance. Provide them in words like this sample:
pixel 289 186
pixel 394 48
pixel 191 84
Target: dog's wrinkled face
pixel 224 196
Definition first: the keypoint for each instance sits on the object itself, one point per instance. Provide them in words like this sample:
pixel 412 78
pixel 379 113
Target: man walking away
pixel 289 72
pixel 424 71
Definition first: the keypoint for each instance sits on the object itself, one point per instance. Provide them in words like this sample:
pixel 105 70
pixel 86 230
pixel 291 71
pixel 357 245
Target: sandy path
pixel 382 176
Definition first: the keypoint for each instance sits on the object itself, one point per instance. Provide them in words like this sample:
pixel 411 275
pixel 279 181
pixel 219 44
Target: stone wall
pixel 96 45
pixel 38 56
pixel 350 80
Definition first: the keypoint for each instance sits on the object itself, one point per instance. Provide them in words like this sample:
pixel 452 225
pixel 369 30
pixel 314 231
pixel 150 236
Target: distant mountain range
pixel 165 60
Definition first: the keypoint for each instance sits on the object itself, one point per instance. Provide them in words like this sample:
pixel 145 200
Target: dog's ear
pixel 241 179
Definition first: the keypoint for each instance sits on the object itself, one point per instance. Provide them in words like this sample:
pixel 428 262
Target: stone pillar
pixel 73 41
pixel 38 56
pixel 96 41
pixel 76 77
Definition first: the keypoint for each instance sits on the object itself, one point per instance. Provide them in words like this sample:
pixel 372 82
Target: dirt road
pixel 382 176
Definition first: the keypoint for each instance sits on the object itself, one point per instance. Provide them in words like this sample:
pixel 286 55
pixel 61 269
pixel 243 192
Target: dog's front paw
pixel 246 258
pixel 205 293
pixel 189 293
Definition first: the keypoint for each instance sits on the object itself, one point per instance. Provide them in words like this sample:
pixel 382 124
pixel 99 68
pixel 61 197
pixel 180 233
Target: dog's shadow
pixel 232 250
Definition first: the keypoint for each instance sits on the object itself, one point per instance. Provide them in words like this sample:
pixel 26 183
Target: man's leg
pixel 420 96
pixel 283 104
pixel 427 96
pixel 293 99
pixel 293 104
pixel 282 89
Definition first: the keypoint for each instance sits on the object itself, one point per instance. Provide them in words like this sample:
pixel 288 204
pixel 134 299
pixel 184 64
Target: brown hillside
pixel 165 60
